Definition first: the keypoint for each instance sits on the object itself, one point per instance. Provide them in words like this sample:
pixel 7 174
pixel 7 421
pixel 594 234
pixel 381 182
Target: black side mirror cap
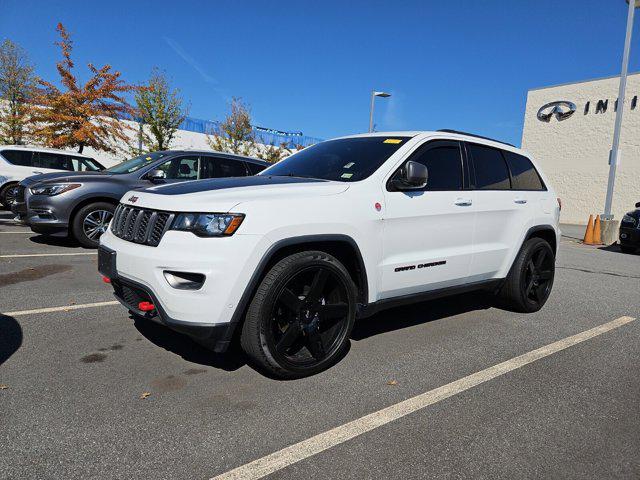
pixel 155 176
pixel 638 205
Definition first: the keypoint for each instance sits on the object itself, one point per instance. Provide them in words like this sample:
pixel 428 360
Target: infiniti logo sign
pixel 561 110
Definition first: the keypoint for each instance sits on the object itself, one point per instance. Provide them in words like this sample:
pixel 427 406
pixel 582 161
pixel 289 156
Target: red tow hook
pixel 146 306
pixel 106 279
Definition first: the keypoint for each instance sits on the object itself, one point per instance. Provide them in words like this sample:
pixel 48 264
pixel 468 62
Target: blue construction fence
pixel 263 135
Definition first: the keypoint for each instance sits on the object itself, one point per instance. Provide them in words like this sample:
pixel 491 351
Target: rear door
pixel 46 162
pixel 219 167
pixel 428 233
pixel 502 213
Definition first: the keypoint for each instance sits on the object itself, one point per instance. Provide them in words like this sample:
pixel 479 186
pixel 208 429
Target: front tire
pixel 300 318
pixel 627 249
pixel 528 285
pixel 90 222
pixel 7 195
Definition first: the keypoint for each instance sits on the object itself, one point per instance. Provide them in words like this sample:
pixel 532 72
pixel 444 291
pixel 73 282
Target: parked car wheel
pixel 8 195
pixel 91 222
pixel 528 285
pixel 301 316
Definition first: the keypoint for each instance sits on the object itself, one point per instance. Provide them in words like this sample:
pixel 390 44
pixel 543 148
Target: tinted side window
pixel 181 168
pixel 444 164
pixel 84 165
pixel 490 167
pixel 18 157
pixel 254 168
pixel 523 173
pixel 52 160
pixel 226 167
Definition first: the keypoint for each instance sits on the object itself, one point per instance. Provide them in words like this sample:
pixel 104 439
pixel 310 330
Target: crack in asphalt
pixel 613 274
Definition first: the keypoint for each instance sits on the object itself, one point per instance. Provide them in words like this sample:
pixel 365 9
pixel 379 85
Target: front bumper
pixel 204 314
pixel 629 236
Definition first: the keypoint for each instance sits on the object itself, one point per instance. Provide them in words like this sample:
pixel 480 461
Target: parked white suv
pixel 290 258
pixel 18 162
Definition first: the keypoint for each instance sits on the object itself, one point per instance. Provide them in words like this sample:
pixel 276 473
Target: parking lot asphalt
pixel 91 393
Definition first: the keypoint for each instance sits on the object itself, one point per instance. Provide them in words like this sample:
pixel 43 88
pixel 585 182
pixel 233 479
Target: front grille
pixel 140 225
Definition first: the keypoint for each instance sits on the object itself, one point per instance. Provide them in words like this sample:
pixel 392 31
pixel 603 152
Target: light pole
pixel 614 155
pixel 375 94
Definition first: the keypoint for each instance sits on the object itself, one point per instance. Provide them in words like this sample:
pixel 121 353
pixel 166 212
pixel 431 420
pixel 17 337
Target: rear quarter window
pixel 523 174
pixel 21 158
pixel 254 168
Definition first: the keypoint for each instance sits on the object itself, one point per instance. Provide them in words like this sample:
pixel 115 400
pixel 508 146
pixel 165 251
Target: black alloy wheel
pixel 538 278
pixel 301 316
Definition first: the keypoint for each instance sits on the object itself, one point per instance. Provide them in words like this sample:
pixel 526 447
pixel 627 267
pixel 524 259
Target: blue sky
pixel 310 66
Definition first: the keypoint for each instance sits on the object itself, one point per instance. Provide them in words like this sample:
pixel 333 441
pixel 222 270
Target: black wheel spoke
pixel 291 334
pixel 333 311
pixel 317 285
pixel 530 286
pixel 545 275
pixel 290 300
pixel 540 259
pixel 315 345
pixel 531 267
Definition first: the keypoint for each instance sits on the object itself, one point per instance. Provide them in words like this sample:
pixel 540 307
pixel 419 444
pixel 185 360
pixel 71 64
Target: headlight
pixel 208 224
pixel 53 189
pixel 629 219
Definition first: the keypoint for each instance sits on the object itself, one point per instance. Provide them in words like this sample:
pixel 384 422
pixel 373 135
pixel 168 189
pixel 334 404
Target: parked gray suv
pixel 82 204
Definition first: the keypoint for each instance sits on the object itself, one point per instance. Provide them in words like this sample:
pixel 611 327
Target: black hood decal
pixel 195 186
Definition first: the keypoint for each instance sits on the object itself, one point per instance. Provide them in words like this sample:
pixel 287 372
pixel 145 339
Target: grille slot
pixel 140 225
pixel 19 194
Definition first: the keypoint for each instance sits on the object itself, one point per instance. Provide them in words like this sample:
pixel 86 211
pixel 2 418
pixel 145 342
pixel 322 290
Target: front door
pixel 428 233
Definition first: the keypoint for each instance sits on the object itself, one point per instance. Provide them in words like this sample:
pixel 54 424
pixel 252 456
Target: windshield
pixel 135 164
pixel 344 160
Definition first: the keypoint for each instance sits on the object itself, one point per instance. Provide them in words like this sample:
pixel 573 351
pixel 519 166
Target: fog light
pixel 184 280
pixel 146 306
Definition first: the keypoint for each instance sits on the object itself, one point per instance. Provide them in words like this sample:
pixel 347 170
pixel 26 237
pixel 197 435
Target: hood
pixel 222 194
pixel 57 177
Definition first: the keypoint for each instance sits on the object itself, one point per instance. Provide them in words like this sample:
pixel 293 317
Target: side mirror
pixel 412 176
pixel 638 205
pixel 155 176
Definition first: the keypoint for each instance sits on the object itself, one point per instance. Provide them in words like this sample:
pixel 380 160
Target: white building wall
pixel 574 152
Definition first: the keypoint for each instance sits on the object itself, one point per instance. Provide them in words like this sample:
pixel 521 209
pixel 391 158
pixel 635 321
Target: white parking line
pixel 64 308
pixel 314 445
pixel 47 254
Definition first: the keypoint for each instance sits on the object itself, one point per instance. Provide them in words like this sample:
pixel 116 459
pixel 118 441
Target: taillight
pixel 146 306
pixel 559 203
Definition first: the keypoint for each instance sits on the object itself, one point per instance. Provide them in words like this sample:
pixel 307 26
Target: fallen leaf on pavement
pixel 3 387
pixel 145 395
pixel 392 382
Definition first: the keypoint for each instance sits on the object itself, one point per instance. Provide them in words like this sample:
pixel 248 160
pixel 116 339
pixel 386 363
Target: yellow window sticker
pixel 349 165
pixel 392 140
pixel 346 175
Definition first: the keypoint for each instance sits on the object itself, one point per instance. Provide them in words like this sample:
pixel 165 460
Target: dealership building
pixel 569 130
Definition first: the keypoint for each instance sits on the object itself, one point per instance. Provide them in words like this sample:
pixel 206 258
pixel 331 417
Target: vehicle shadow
pixel 188 349
pixel 10 337
pixel 55 241
pixel 419 313
pixel 615 248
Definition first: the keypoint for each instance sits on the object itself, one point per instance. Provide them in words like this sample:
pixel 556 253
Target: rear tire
pixel 90 222
pixel 300 318
pixel 528 285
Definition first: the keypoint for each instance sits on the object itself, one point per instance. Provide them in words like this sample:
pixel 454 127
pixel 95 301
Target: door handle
pixel 520 201
pixel 37 173
pixel 463 202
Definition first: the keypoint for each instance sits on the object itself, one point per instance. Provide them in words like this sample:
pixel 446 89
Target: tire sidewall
pixel 77 226
pixel 265 309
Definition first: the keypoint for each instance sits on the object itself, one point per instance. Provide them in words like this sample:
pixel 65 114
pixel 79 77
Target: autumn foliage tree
pixel 161 111
pixel 82 115
pixel 235 134
pixel 17 84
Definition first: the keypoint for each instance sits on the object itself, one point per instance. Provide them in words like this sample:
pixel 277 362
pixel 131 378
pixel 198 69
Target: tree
pixel 86 115
pixel 235 134
pixel 17 86
pixel 160 109
pixel 273 154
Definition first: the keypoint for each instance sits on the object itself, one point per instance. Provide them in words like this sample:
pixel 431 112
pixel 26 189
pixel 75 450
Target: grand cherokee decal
pixel 420 265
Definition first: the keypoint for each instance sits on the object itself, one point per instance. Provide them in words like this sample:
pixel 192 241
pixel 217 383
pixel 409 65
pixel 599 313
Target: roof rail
pixel 447 130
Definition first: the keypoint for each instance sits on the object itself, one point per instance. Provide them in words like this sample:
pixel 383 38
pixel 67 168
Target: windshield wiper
pixel 290 174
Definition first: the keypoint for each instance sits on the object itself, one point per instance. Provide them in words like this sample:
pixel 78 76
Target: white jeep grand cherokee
pixel 288 259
